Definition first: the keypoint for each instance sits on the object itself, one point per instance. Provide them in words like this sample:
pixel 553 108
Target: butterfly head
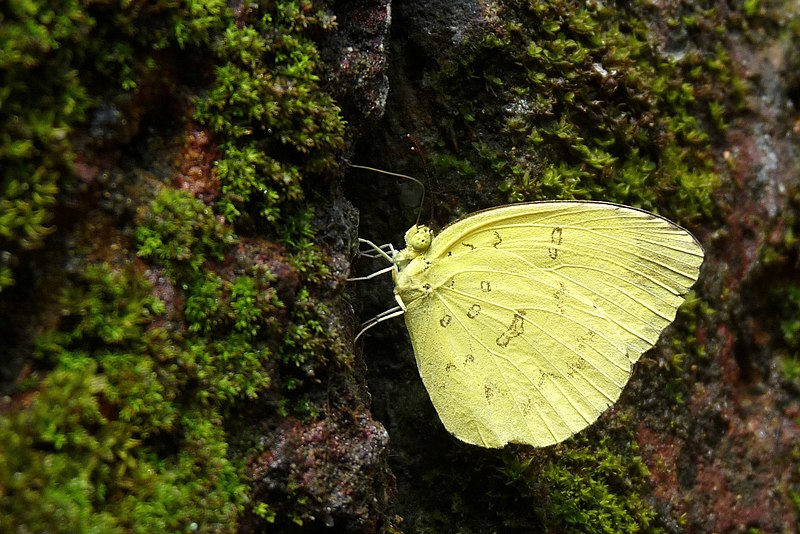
pixel 418 238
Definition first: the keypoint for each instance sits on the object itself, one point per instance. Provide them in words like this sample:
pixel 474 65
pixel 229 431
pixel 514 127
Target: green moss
pixel 587 488
pixel 779 258
pixel 215 305
pixel 231 320
pixel 789 363
pixel 106 315
pixel 140 443
pixel 794 491
pixel 123 427
pixel 587 484
pixel 274 123
pixel 790 326
pixel 594 112
pixel 275 127
pixel 37 113
pixel 751 8
pixel 594 489
pixel 60 58
pixel 50 462
pixel 103 443
pixel 181 233
pixel 686 350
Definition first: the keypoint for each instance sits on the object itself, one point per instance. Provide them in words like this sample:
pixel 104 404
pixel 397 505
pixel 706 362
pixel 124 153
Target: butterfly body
pixel 526 319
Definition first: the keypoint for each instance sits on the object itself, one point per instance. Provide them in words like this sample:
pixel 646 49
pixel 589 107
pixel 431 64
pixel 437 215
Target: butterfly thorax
pixel 411 265
pixel 409 284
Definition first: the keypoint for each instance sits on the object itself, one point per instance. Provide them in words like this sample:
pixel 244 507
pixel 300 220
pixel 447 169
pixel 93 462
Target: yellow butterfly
pixel 526 319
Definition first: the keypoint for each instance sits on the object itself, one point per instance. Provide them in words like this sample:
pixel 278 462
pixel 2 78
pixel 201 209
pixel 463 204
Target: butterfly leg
pixel 378 252
pixel 388 253
pixel 388 314
pixel 373 275
pixel 385 250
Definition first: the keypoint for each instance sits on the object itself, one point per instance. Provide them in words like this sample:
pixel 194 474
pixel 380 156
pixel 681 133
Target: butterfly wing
pixel 533 314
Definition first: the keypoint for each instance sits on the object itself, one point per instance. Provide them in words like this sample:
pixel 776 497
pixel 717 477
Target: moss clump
pixel 780 258
pixel 593 489
pixel 122 425
pixel 181 233
pixel 230 323
pixel 790 325
pixel 593 110
pixel 686 352
pixel 274 123
pixel 105 440
pixel 790 328
pixel 126 428
pixel 586 487
pixel 587 484
pixel 60 58
pixel 40 101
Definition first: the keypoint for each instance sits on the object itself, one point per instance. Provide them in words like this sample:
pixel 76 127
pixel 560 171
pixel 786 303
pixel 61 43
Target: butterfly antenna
pixel 398 175
pixel 416 148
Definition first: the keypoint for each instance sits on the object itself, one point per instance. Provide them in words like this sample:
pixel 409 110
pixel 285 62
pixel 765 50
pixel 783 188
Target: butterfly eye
pixel 419 238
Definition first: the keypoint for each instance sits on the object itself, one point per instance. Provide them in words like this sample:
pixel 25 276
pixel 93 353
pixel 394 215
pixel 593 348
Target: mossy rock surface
pixel 176 231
